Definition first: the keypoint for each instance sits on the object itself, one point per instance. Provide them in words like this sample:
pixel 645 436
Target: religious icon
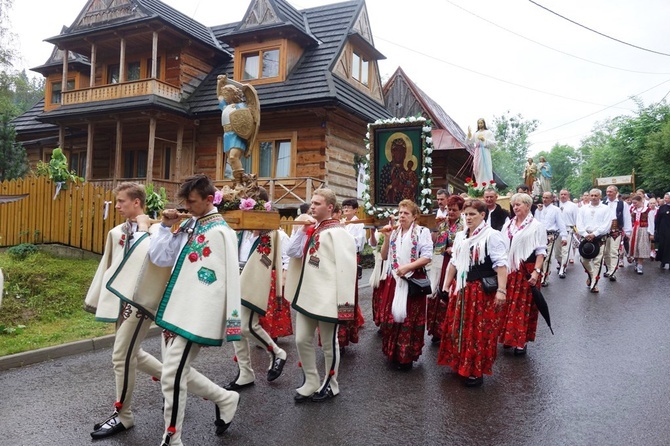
pixel 395 163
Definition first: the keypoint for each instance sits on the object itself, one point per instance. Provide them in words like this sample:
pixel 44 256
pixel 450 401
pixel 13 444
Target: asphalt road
pixel 601 380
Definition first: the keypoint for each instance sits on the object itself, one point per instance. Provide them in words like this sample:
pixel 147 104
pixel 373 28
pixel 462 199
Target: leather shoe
pixel 233 386
pixel 110 427
pixel 561 276
pixel 323 396
pixel 277 368
pixel 606 274
pixel 221 426
pixel 301 398
pixel 612 278
pixel 474 381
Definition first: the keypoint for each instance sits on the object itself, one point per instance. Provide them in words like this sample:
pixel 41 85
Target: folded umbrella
pixel 542 307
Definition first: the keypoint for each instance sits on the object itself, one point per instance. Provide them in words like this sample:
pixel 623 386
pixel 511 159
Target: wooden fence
pixel 74 217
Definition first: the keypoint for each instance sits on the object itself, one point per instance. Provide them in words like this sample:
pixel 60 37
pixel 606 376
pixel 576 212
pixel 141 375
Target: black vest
pixel 619 213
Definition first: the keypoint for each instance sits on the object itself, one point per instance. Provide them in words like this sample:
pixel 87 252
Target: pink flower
pixel 193 257
pixel 218 197
pixel 201 238
pixel 268 206
pixel 247 204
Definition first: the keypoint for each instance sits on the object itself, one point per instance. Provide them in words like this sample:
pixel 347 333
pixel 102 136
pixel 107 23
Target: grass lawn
pixel 43 302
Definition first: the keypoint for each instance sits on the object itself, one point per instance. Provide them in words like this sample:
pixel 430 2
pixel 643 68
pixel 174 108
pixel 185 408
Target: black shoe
pixel 472 381
pixel 277 368
pixel 561 276
pixel 606 274
pixel 221 426
pixel 612 278
pixel 110 427
pixel 545 284
pixel 301 398
pixel 404 367
pixel 436 340
pixel 322 396
pixel 520 351
pixel 233 386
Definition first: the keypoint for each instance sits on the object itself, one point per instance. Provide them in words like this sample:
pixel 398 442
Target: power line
pixel 493 77
pixel 598 32
pixel 547 46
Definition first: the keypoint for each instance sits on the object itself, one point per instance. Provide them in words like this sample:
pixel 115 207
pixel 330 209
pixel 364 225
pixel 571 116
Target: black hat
pixel 588 249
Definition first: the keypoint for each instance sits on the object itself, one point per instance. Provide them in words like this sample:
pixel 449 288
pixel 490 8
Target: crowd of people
pixel 471 283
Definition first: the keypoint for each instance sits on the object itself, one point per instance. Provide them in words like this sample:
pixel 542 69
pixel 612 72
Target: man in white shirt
pixel 621 224
pixel 441 197
pixel 551 217
pixel 593 223
pixel 569 213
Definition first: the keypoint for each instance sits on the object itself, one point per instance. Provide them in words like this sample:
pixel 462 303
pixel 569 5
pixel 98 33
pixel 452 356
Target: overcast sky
pixel 476 58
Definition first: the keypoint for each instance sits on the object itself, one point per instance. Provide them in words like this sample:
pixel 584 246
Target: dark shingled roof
pixel 311 82
pixel 26 123
pixel 116 105
pixel 154 9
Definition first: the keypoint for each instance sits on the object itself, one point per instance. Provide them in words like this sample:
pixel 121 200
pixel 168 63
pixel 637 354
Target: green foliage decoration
pixel 156 200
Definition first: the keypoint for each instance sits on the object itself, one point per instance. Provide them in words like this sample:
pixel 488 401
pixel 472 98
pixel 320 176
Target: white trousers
pixel 305 328
pixel 252 330
pixel 178 377
pixel 593 267
pixel 611 254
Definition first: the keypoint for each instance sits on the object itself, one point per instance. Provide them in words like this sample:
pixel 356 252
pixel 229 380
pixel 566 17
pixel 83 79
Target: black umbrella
pixel 542 307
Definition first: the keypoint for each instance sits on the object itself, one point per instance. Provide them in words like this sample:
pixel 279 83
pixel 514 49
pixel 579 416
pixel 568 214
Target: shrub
pixel 22 251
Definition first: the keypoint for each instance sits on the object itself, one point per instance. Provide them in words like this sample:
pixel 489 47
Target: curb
pixel 59 351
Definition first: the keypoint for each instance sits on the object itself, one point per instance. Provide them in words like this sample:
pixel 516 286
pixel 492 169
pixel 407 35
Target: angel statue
pixel 241 118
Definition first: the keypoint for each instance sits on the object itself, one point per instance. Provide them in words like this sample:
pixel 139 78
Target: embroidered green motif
pixel 206 276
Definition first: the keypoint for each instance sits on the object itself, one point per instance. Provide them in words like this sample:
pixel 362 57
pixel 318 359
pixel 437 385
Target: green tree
pixel 18 92
pixel 13 158
pixel 655 161
pixel 7 37
pixel 511 153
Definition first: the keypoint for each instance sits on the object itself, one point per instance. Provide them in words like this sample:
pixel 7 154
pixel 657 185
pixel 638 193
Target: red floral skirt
pixel 436 309
pixel 470 331
pixel 520 323
pixel 402 342
pixel 277 319
pixel 377 295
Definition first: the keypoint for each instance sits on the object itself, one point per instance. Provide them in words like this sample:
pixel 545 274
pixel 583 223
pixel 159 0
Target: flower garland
pixel 425 196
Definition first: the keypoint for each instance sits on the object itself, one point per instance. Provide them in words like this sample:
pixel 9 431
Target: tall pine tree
pixel 13 157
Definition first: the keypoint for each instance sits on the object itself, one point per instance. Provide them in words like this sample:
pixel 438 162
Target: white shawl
pixel 462 255
pixel 524 241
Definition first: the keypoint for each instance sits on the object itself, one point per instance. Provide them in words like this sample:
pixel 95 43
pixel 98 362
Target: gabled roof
pixel 440 118
pixel 267 17
pixel 94 18
pixel 56 60
pixel 311 82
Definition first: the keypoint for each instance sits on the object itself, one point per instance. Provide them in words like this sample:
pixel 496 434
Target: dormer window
pixel 56 91
pixel 262 64
pixel 360 69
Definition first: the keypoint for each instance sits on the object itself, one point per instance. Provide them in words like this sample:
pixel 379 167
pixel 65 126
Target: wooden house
pixel 131 94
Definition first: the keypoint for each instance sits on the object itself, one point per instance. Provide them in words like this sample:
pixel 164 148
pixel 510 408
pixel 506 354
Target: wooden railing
pixel 285 192
pixel 123 90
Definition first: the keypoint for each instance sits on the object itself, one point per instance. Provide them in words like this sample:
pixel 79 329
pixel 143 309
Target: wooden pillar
pixel 180 145
pixel 122 61
pixel 118 153
pixel 154 56
pixel 93 59
pixel 61 136
pixel 150 152
pixel 89 152
pixel 63 88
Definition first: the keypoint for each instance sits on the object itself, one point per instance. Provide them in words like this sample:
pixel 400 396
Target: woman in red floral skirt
pixel 277 319
pixel 409 249
pixel 442 248
pixel 527 240
pixel 474 315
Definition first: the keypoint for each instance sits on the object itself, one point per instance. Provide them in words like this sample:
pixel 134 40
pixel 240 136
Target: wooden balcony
pixel 124 90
